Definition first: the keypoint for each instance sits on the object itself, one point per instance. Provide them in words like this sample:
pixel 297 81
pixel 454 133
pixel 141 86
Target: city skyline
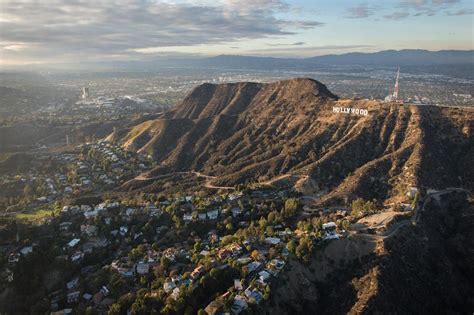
pixel 82 31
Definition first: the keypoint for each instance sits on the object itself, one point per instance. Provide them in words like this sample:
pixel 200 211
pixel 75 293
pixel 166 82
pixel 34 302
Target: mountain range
pixel 391 58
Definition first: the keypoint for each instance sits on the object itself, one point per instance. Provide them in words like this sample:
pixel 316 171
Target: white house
pixel 212 214
pixel 73 242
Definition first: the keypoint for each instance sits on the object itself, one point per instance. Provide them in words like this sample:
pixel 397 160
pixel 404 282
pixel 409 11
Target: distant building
pixel 85 93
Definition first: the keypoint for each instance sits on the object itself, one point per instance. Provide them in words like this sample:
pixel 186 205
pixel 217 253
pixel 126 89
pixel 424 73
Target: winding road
pixel 207 183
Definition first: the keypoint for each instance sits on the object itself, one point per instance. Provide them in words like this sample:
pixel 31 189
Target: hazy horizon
pixel 62 32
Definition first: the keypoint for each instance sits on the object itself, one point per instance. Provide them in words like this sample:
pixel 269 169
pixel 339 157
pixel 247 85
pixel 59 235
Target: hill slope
pixel 254 132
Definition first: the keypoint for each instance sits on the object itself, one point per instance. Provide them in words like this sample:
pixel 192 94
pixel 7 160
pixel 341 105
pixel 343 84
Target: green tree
pixel 291 205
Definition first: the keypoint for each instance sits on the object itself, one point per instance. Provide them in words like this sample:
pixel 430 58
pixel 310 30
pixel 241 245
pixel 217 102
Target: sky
pixel 75 31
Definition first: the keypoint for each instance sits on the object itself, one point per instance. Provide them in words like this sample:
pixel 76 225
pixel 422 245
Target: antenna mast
pixel 395 90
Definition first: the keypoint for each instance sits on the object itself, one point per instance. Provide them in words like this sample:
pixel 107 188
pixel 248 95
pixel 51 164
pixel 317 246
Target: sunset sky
pixel 70 31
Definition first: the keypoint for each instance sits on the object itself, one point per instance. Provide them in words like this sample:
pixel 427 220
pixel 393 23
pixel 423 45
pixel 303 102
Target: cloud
pixel 461 12
pixel 406 8
pixel 397 15
pixel 421 4
pixel 82 29
pixel 360 11
pixel 286 45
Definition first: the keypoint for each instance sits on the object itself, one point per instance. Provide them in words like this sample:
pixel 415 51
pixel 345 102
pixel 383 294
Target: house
pixel 105 290
pixel 143 268
pixel 263 276
pixel 90 214
pixel 170 254
pixel 73 283
pixel 253 266
pixel 223 253
pixel 66 311
pixel 236 211
pixel 175 293
pixel 73 297
pixel 100 207
pixel 123 230
pixel 187 217
pixel 177 278
pixel 202 216
pixel 88 247
pixel 73 242
pixel 234 196
pixel 212 214
pixel 77 256
pixel 239 305
pixel 130 211
pixel 329 226
pixel 238 285
pixel 215 307
pixel 272 240
pixel 274 266
pixel 126 271
pixel 113 205
pixel 89 230
pixel 9 275
pixel 235 249
pixel 253 295
pixel 330 231
pixel 87 297
pixel 204 252
pixel 26 250
pixel 243 260
pixel 86 208
pixel 196 273
pixel 64 226
pixel 168 286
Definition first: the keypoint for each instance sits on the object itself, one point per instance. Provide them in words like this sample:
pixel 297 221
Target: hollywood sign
pixel 350 110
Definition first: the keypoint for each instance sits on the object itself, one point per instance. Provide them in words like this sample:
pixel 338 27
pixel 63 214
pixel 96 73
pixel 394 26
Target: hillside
pixel 245 132
pixel 423 269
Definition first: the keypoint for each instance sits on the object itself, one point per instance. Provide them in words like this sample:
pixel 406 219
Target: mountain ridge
pixel 246 132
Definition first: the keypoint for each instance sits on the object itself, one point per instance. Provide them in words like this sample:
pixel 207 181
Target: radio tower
pixel 393 97
pixel 395 90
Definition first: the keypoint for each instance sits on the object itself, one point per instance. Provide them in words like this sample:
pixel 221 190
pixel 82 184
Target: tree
pixel 262 223
pixel 271 217
pixel 291 246
pixel 229 226
pixel 255 254
pixel 164 262
pixel 291 205
pixel 304 249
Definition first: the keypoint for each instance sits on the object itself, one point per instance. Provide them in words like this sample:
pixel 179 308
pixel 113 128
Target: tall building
pixel 85 92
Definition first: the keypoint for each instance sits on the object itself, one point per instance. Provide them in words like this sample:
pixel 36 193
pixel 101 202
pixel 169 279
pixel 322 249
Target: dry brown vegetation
pixel 246 132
